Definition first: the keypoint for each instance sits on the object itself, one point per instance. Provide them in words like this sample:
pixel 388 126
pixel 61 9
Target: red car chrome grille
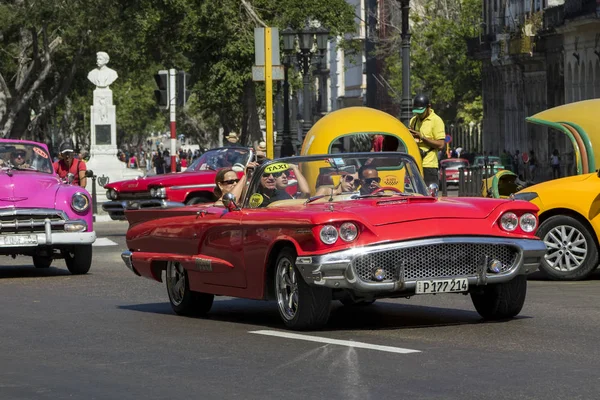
pixel 433 261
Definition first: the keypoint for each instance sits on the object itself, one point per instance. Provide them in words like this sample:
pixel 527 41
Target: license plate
pixel 18 240
pixel 442 286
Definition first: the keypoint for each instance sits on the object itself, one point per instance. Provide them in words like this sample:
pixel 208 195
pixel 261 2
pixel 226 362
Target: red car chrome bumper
pixel 406 263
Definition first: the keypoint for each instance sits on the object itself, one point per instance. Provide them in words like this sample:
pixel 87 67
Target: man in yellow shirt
pixel 428 130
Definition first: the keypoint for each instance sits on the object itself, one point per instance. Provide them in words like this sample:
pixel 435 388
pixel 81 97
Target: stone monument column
pixel 103 128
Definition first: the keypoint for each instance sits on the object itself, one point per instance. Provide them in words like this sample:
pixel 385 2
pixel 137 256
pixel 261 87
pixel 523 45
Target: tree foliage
pixel 440 66
pixel 49 46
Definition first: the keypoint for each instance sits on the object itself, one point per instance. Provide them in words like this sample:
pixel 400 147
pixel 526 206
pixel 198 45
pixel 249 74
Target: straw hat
pixel 262 146
pixel 232 137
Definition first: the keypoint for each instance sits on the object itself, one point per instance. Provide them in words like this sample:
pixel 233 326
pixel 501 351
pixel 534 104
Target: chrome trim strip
pixel 126 257
pixel 64 238
pixel 114 206
pixel 335 270
pixel 33 211
pixel 199 186
pixel 155 203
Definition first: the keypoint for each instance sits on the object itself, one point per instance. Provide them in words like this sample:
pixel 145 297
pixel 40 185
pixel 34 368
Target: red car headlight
pixel 509 221
pixel 348 231
pixel 328 234
pixel 528 222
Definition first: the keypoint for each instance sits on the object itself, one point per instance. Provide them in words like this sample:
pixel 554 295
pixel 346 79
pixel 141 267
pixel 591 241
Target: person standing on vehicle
pixel 69 164
pixel 429 130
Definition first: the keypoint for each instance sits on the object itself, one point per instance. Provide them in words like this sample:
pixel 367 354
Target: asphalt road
pixel 112 335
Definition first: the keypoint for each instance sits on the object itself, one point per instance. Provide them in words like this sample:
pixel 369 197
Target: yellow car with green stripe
pixel 569 213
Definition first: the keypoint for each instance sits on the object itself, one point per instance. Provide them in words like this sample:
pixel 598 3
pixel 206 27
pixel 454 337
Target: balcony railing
pixel 577 8
pixel 554 17
pixel 520 45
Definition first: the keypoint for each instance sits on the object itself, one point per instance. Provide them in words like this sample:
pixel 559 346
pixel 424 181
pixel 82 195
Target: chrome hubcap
pixel 567 248
pixel 175 282
pixel 287 289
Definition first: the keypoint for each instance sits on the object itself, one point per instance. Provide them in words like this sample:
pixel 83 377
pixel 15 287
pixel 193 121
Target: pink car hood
pixel 28 189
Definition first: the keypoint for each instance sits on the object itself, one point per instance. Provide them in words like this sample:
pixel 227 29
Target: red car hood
pixel 180 178
pixel 28 189
pixel 398 209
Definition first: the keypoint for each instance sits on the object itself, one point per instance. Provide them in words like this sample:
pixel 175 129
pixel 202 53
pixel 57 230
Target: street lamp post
pixel 405 113
pixel 306 44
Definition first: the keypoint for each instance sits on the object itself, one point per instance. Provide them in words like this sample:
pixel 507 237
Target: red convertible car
pixel 370 229
pixel 194 185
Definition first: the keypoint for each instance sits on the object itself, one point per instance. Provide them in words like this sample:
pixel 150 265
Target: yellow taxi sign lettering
pixel 277 167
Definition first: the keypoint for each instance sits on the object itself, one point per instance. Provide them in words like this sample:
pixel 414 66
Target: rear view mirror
pixel 229 201
pixel 433 190
pixel 70 178
pixel 89 173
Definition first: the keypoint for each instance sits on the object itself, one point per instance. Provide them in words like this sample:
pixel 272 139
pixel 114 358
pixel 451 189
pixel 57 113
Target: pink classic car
pixel 193 186
pixel 40 215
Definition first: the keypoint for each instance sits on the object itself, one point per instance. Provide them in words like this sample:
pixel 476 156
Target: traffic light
pixel 162 94
pixel 183 94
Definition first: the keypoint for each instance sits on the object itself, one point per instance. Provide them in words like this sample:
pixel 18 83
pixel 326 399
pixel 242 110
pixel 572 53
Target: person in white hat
pixel 261 149
pixel 232 140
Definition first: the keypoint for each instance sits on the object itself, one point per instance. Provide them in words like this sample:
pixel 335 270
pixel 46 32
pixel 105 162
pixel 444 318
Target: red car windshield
pixel 220 158
pixel 24 157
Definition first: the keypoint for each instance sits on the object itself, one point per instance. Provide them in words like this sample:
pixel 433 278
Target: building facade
pixel 536 55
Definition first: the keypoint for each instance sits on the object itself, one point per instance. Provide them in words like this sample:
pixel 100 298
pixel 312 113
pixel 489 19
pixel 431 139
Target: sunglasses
pixel 18 155
pixel 350 178
pixel 230 181
pixel 275 174
pixel 368 181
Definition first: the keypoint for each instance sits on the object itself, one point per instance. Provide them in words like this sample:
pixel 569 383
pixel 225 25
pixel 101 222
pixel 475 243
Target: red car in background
pixel 195 185
pixel 451 167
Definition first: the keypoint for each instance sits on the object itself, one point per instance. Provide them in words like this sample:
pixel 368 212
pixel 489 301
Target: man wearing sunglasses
pixel 17 159
pixel 69 164
pixel 369 179
pixel 268 189
pixel 281 181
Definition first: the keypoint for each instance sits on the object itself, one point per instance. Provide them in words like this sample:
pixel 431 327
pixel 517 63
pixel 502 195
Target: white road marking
pixel 104 242
pixel 349 343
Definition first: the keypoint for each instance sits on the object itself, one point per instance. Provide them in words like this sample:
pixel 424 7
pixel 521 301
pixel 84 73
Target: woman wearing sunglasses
pixel 227 181
pixel 348 183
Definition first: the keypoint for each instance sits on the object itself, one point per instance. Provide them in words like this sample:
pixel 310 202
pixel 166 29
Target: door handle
pixel 201 213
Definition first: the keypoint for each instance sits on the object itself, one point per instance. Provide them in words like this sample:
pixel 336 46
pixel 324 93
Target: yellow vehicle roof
pixel 583 117
pixel 351 120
